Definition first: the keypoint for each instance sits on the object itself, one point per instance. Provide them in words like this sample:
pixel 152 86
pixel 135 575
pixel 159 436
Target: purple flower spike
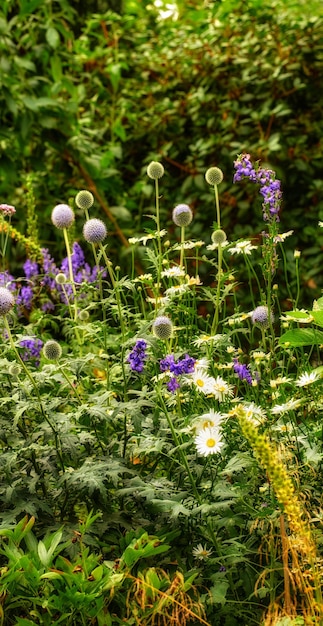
pixel 242 371
pixel 138 356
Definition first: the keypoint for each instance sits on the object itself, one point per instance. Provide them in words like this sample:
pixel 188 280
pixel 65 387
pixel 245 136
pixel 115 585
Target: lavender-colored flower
pixel 244 168
pixel 7 280
pixel 62 216
pixel 25 297
pixel 32 349
pixel 242 371
pixel 7 301
pixel 182 215
pixel 94 231
pixel 138 356
pixel 260 317
pixel 163 327
pixel 48 306
pixel 50 269
pixel 7 209
pixel 185 365
pixel 173 384
pixel 269 186
pixel 31 268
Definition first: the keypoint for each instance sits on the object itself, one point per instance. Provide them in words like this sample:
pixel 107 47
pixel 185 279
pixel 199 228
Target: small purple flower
pixel 242 371
pixel 25 297
pixel 138 356
pixel 7 280
pixel 184 365
pixel 269 186
pixel 173 384
pixel 32 349
pixel 31 268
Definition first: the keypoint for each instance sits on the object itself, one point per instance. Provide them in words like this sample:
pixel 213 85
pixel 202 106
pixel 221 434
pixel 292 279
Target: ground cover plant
pixel 161 442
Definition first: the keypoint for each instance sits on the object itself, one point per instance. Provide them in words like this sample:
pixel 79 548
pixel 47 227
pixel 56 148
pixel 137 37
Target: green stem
pixel 217 205
pixel 218 293
pixel 35 387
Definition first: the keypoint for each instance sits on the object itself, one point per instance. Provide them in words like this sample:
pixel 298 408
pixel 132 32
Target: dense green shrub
pixel 90 109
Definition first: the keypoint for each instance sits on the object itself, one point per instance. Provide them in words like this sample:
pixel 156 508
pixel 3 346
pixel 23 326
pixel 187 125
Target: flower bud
pixel 62 216
pixel 84 199
pixel 218 237
pixel 155 170
pixel 52 350
pixel 7 301
pixel 182 215
pixel 94 231
pixel 162 327
pixel 214 176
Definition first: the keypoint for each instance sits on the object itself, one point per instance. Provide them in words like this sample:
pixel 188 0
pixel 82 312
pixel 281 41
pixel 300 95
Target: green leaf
pixel 219 592
pixel 52 37
pixel 301 337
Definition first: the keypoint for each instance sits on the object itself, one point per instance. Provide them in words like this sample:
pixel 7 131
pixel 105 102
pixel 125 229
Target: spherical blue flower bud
pixel 182 215
pixel 7 301
pixel 259 317
pixel 162 327
pixel 94 231
pixel 62 216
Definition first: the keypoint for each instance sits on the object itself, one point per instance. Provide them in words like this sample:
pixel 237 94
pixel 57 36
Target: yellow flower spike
pixel 283 486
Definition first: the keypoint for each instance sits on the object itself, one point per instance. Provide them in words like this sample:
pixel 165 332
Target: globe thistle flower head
pixel 60 278
pixel 14 369
pixel 84 315
pixel 7 301
pixel 94 231
pixel 52 350
pixel 182 215
pixel 218 237
pixel 62 216
pixel 84 199
pixel 155 170
pixel 163 327
pixel 214 176
pixel 260 317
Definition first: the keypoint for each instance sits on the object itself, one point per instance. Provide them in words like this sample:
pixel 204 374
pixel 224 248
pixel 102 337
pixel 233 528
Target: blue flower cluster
pixel 138 356
pixel 243 372
pixel 269 189
pixel 43 274
pixel 32 349
pixel 185 365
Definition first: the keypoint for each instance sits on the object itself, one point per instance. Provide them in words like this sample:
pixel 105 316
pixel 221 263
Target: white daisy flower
pixel 212 419
pixel 290 405
pixel 280 380
pixel 188 245
pixel 221 389
pixel 307 379
pixel 176 290
pixel 215 246
pixel 282 236
pixel 201 552
pixel 202 364
pixel 321 224
pixel 173 272
pixel 254 413
pixel 145 238
pixel 201 380
pixel 243 247
pixel 208 441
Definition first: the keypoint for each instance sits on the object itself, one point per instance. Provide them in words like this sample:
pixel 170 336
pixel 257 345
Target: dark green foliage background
pixel 90 98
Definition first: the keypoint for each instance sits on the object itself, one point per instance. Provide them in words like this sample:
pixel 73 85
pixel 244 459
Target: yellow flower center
pixel 210 443
pixel 200 382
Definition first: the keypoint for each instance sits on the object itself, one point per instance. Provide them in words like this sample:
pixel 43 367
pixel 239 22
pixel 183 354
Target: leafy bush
pixel 87 109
